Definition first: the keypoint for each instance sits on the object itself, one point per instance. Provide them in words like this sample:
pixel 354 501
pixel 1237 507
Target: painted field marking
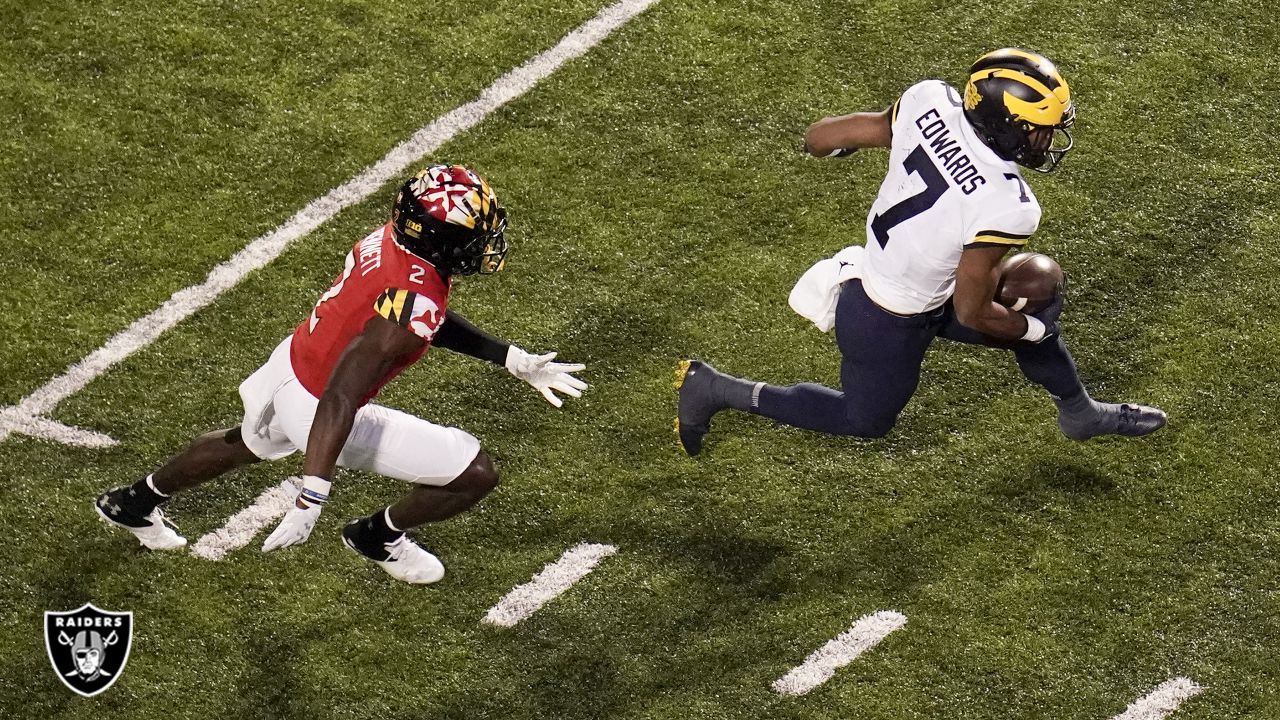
pixel 1161 702
pixel 14 419
pixel 240 528
pixel 864 634
pixel 26 416
pixel 524 600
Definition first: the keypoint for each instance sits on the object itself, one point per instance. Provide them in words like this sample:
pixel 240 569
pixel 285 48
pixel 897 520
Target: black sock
pixel 379 528
pixel 1074 405
pixel 141 498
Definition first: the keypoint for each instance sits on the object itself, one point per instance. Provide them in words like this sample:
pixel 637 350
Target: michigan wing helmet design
pixel 1021 107
pixel 449 216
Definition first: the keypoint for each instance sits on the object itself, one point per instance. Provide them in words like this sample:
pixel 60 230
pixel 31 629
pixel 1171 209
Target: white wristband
pixel 1035 330
pixel 515 356
pixel 315 490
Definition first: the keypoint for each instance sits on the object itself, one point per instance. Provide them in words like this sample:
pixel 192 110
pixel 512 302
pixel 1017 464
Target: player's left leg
pixel 450 471
pixel 207 457
pixel 881 355
pixel 1049 364
pixel 259 436
pixel 136 507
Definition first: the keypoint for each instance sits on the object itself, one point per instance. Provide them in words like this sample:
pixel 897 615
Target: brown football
pixel 1029 282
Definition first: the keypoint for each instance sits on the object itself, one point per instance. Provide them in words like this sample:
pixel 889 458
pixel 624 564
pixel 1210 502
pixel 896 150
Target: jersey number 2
pixel 935 184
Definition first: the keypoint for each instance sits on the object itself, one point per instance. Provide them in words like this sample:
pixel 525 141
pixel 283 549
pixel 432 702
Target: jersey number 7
pixel 935 184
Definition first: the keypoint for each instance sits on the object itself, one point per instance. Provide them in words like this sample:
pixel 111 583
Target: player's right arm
pixel 976 280
pixel 1015 218
pixel 459 335
pixel 367 359
pixel 841 135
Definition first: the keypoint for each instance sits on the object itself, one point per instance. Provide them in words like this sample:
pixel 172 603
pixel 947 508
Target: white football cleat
pixel 154 530
pixel 402 558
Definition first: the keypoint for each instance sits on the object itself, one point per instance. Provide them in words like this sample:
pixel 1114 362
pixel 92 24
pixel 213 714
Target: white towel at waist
pixel 816 292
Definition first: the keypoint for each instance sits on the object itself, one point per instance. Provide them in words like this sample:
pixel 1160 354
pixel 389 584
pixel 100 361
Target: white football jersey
pixel 945 191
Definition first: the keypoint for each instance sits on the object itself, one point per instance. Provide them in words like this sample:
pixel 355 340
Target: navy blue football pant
pixel 883 353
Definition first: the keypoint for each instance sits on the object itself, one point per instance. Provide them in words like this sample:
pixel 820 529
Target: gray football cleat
pixel 1112 419
pixel 698 403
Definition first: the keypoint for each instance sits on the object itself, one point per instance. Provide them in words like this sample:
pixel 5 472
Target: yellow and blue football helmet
pixel 1021 107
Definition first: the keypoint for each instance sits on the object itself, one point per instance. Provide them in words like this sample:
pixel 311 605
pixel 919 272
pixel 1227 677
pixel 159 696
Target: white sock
pixel 386 517
pixel 151 484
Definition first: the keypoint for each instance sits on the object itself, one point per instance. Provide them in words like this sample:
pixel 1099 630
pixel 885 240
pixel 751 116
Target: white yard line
pixel 1161 702
pixel 12 419
pixel 183 303
pixel 524 600
pixel 864 634
pixel 240 528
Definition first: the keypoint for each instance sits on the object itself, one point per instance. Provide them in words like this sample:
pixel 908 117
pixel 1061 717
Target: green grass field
pixel 660 208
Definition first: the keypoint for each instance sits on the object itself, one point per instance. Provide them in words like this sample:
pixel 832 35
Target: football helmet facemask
pixel 1021 107
pixel 450 217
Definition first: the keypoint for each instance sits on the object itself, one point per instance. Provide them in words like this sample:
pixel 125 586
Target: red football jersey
pixel 380 279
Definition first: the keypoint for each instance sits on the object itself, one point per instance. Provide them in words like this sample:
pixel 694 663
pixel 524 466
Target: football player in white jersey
pixel 951 205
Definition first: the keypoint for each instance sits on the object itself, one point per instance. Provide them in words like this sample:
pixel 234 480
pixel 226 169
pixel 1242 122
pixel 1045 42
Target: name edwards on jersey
pixel 947 150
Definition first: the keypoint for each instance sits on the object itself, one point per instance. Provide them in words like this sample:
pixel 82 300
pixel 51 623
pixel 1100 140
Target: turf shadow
pixel 1070 478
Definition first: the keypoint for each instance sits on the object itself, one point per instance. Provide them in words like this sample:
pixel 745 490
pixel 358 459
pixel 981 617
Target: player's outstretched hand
pixel 294 528
pixel 545 376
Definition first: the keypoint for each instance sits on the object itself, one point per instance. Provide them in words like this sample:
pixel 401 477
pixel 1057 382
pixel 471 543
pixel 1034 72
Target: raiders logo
pixel 88 646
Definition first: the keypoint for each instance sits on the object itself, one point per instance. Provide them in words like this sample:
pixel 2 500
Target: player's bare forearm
pixel 995 320
pixel 976 279
pixel 335 415
pixel 366 359
pixel 849 132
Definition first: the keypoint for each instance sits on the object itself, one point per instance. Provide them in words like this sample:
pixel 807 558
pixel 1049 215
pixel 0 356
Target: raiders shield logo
pixel 88 647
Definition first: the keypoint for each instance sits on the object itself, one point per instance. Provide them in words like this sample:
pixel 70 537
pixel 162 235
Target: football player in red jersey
pixel 381 314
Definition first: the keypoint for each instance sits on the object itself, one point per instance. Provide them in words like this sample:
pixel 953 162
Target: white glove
pixel 296 526
pixel 544 375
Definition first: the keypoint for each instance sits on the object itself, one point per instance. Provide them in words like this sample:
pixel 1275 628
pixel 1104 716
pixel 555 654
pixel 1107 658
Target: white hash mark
pixel 524 600
pixel 1161 702
pixel 864 634
pixel 240 528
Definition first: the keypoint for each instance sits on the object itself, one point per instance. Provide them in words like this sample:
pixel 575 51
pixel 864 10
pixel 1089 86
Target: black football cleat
pixel 402 558
pixel 1113 419
pixel 153 530
pixel 698 403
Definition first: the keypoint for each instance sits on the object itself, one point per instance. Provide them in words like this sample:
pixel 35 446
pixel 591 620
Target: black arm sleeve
pixel 459 335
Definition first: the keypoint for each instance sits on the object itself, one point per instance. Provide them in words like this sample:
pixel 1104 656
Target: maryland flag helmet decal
pixel 450 216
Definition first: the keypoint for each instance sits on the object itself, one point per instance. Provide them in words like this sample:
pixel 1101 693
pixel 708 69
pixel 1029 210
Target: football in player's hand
pixel 1029 282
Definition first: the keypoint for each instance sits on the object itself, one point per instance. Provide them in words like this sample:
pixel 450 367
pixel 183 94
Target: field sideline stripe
pixel 266 248
pixel 1161 702
pixel 524 600
pixel 865 633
